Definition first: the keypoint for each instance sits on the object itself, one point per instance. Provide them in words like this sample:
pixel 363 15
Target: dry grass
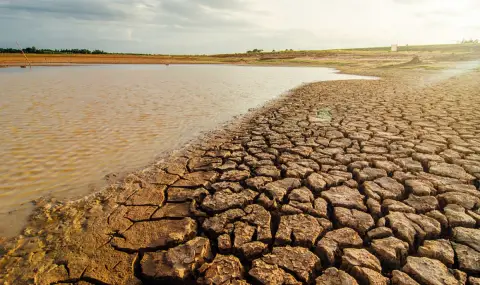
pixel 366 57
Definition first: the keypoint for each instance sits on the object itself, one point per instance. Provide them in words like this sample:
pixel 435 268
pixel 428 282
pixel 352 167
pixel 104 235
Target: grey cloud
pixel 83 10
pixel 192 14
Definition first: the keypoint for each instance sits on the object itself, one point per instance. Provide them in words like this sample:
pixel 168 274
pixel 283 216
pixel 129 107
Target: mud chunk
pixel 358 165
pixel 427 159
pixel 396 206
pixel 368 174
pixel 460 188
pixel 165 178
pixel 147 195
pixel 391 251
pixel 462 199
pixel 179 262
pixel 268 171
pixel 186 194
pixel 232 186
pixel 223 200
pixel 353 257
pixel 267 202
pixel 303 229
pixel 269 274
pixel 355 219
pixel 204 163
pixel 223 270
pixel 401 176
pixel 409 164
pixel 243 234
pixel 257 215
pixel 303 195
pixel 380 232
pixel 224 243
pixel 140 213
pixel 473 280
pixel 253 249
pixel 228 165
pixel 437 215
pixel 420 187
pixel 266 273
pixel 400 278
pixel 316 182
pixel 301 150
pixel 301 261
pixel 334 180
pixel 218 224
pixel 330 151
pixel 457 217
pixel 386 165
pixel 173 210
pixel 278 189
pixel 296 170
pixel 428 271
pixel 156 234
pixel 330 246
pixel 422 204
pixel 384 188
pixel 410 227
pixel 466 236
pixel 320 208
pixel 374 149
pixel 428 148
pixel 177 167
pixel 438 181
pixel 196 179
pixel 451 170
pixel 369 276
pixel 344 196
pixel 235 175
pixel 257 182
pixel 438 249
pixel 374 208
pixel 333 276
pixel 343 143
pixel 391 185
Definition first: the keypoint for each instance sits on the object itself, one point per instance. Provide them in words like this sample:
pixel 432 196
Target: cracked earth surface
pixel 387 192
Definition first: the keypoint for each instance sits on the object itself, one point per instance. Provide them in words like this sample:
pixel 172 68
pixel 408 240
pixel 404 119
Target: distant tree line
pixel 256 50
pixel 52 51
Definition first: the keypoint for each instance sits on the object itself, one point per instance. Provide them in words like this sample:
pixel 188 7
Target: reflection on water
pixel 64 128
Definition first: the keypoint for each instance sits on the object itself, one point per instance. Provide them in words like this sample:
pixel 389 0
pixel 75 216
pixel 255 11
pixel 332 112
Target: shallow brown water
pixel 63 129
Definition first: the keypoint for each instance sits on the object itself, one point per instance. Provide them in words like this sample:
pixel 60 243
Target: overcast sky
pixel 223 26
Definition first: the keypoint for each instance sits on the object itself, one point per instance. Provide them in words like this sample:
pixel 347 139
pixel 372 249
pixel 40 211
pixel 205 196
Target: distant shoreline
pixel 353 58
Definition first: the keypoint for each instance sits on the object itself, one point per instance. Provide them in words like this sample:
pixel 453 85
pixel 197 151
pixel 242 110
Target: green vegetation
pixel 52 51
pixel 255 51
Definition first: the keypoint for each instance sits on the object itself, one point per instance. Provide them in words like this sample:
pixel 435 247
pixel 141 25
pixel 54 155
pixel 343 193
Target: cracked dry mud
pixel 384 193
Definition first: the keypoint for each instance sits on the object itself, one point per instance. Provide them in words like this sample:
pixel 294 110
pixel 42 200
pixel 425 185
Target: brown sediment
pixel 344 182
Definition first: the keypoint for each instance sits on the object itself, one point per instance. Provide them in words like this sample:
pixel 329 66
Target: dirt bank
pixel 339 182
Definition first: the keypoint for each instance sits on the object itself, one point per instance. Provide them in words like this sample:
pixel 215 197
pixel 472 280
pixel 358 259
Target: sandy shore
pixel 343 182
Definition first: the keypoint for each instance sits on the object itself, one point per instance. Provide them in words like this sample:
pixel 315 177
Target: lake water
pixel 62 129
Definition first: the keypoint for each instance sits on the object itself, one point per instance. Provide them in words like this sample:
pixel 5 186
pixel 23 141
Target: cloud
pixel 216 26
pixel 205 14
pixel 83 10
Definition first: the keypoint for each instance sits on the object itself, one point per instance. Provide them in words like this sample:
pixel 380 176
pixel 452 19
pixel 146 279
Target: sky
pixel 228 26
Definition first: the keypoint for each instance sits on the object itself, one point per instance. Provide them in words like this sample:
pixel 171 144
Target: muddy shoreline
pixel 391 169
